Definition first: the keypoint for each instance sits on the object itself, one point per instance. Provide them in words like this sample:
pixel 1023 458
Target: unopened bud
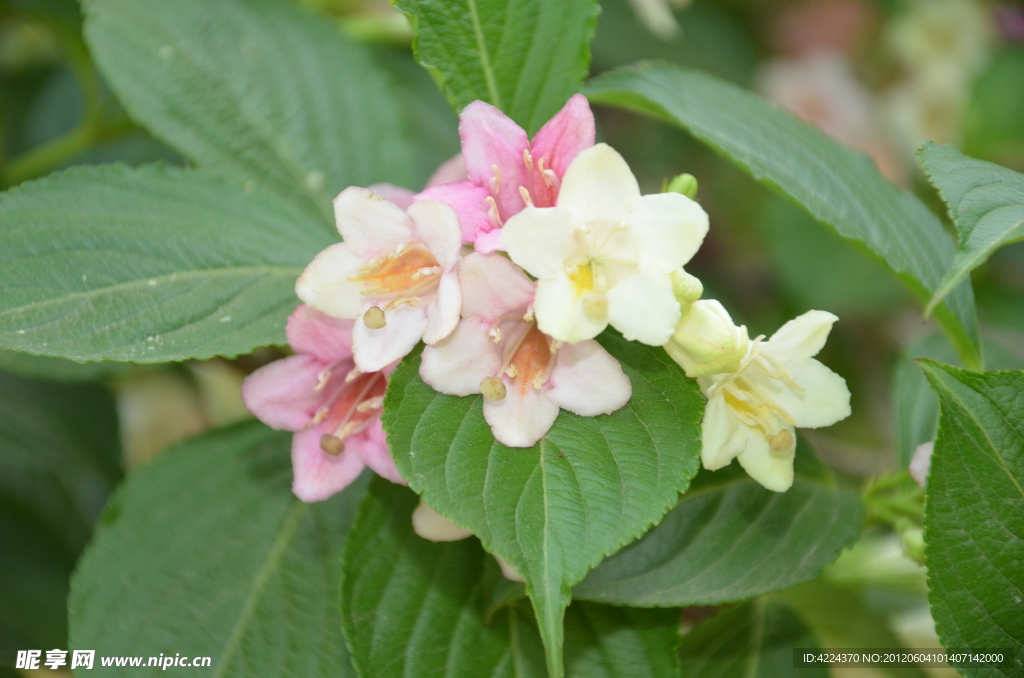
pixel 707 342
pixel 687 289
pixel 431 525
pixel 684 184
pixel 374 318
pixel 332 445
pixel 595 306
pixel 493 388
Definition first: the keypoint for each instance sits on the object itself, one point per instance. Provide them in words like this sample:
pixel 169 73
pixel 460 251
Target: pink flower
pixel 524 374
pixel 333 408
pixel 506 171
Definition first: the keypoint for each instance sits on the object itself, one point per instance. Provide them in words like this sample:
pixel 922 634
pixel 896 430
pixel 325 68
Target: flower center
pixel 603 256
pixel 528 355
pixel 350 408
pixel 401 277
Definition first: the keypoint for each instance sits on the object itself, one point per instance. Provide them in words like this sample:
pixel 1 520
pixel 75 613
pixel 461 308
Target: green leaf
pixel 730 539
pixel 837 186
pixel 414 608
pixel 557 509
pixel 58 369
pixel 255 90
pixel 754 640
pixel 974 518
pixel 206 552
pixel 147 265
pixel 985 202
pixel 527 57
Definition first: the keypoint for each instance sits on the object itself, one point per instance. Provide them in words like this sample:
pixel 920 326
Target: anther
pixel 525 195
pixel 496 180
pixel 493 388
pixel 781 441
pixel 595 306
pixel 332 445
pixel 528 159
pixel 374 318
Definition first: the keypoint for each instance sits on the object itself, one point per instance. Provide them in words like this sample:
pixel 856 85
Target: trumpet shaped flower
pixel 506 171
pixel 604 254
pixel 396 274
pixel 759 391
pixel 525 375
pixel 333 408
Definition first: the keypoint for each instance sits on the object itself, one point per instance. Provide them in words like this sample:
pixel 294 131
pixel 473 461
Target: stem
pixel 39 161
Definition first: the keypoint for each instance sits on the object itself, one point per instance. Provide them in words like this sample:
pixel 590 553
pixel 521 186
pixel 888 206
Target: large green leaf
pixel 206 552
pixel 731 539
pixel 147 265
pixel 974 519
pixel 555 510
pixel 414 608
pixel 58 369
pixel 985 202
pixel 754 640
pixel 837 186
pixel 256 90
pixel 527 57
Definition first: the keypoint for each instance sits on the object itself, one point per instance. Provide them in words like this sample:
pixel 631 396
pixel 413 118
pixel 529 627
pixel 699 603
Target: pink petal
pixel 372 447
pixel 402 197
pixel 376 349
pixel 457 364
pixel 436 225
pixel 318 475
pixel 443 311
pixel 588 381
pixel 369 223
pixel 565 135
pixel 491 140
pixel 522 417
pixel 281 394
pixel 492 286
pixel 314 333
pixel 921 462
pixel 453 169
pixel 469 202
pixel 489 241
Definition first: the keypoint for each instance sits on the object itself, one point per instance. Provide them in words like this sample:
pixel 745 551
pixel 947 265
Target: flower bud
pixel 706 341
pixel 431 525
pixel 684 184
pixel 687 289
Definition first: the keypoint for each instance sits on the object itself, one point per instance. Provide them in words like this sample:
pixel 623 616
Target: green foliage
pixel 974 520
pixel 837 186
pixel 555 510
pixel 414 608
pixel 58 369
pixel 206 551
pixel 147 265
pixel 254 90
pixel 986 204
pixel 714 546
pixel 524 56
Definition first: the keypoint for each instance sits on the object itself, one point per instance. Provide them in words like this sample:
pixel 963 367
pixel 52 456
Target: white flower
pixel 396 273
pixel 605 254
pixel 754 408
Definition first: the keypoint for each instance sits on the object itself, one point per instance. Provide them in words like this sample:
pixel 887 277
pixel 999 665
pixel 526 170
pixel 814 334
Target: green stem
pixel 41 160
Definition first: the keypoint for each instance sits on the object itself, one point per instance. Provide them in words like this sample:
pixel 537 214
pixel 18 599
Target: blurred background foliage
pixel 882 76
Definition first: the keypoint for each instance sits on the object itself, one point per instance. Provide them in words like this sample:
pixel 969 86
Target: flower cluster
pixel 507 266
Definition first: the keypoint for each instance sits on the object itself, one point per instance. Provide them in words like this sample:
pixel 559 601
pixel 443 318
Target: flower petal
pixel 819 398
pixel 327 283
pixel 491 140
pixel 723 436
pixel 488 241
pixel 772 469
pixel 401 197
pixel 369 223
pixel 588 381
pixel 598 185
pixel 800 338
pixel 492 286
pixel 540 239
pixel 562 138
pixel 456 364
pixel 281 394
pixel 668 229
pixel 376 349
pixel 443 311
pixel 560 313
pixel 312 332
pixel 318 475
pixel 452 169
pixel 469 202
pixel 432 526
pixel 644 308
pixel 372 447
pixel 437 226
pixel 522 417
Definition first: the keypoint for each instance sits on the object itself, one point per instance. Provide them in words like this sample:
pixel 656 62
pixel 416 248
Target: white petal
pixel 723 436
pixel 456 364
pixel 598 186
pixel 510 573
pixel 376 349
pixel 560 313
pixel 436 226
pixel 587 381
pixel 327 284
pixel 773 470
pixel 522 417
pixel 801 337
pixel 431 525
pixel 369 223
pixel 644 308
pixel 921 462
pixel 492 285
pixel 669 229
pixel 824 400
pixel 443 311
pixel 540 239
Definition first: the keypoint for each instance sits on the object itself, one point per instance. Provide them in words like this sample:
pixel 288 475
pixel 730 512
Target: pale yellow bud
pixel 707 342
pixel 684 184
pixel 687 289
